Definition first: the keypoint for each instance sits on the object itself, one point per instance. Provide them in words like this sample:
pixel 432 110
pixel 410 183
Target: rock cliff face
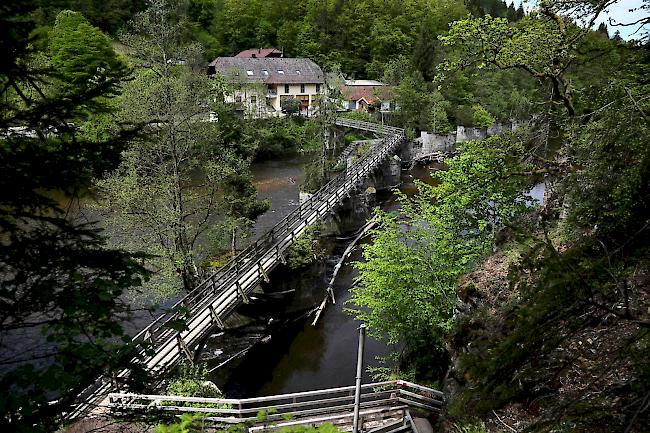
pixel 587 371
pixel 481 295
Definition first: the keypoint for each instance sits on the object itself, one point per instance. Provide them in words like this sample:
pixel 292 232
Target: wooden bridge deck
pixel 222 292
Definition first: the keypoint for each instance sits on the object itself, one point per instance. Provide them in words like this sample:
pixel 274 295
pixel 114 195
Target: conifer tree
pixel 60 310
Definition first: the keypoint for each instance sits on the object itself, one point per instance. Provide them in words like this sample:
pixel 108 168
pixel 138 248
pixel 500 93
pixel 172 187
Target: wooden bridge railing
pixel 222 292
pixel 369 126
pixel 272 242
pixel 300 405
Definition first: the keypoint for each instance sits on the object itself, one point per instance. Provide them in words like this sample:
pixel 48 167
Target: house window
pixel 302 88
pixel 249 73
pixel 238 99
pixel 253 100
pixel 265 72
pixel 297 72
pixel 280 71
pixel 317 88
pixel 286 88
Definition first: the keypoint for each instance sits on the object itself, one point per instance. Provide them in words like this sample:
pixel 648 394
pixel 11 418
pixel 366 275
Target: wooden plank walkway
pixel 222 292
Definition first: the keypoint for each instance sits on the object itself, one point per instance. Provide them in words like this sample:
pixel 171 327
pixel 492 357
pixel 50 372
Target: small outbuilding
pixel 366 96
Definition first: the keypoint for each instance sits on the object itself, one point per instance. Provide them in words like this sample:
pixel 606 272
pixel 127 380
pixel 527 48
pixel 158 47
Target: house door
pixel 304 103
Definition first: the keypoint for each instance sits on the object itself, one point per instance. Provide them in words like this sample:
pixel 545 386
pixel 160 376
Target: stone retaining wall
pixel 431 142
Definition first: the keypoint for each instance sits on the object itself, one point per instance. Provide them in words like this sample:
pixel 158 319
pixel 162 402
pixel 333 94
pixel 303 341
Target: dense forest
pixel 531 316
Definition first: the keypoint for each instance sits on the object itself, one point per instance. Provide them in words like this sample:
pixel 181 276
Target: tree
pixel 439 120
pixel 602 29
pixel 110 15
pixel 80 53
pixel 241 206
pixel 424 52
pixel 576 272
pixel 538 46
pixel 165 194
pixel 407 282
pixel 511 14
pixel 290 106
pixel 520 11
pixel 60 287
pixel 415 103
pixel 481 117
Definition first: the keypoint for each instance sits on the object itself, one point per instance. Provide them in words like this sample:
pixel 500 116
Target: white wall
pixel 294 91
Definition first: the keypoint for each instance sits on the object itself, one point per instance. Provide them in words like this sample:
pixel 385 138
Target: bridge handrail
pixel 161 335
pixel 233 267
pixel 201 296
pixel 370 126
pixel 297 404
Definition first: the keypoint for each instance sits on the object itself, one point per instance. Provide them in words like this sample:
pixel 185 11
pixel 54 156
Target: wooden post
pixel 149 336
pixel 216 318
pixel 184 349
pixel 242 293
pixel 266 277
pixel 280 255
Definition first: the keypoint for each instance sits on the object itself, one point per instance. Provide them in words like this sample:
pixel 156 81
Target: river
pixel 281 351
pixel 296 355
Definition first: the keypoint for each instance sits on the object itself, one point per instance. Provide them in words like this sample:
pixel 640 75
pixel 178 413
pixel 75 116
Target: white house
pixel 262 84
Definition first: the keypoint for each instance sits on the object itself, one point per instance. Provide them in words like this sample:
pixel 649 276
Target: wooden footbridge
pixel 215 298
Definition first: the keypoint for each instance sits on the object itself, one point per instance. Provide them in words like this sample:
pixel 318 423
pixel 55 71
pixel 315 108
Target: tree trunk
pixel 233 240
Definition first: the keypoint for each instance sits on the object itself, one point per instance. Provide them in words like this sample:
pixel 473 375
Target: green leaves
pixel 183 171
pixel 61 308
pixel 400 296
pixel 534 44
pixel 407 283
pixel 81 54
pixel 539 44
pixel 481 117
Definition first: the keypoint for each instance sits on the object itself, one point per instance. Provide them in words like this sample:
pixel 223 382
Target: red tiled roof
pixel 260 53
pixel 372 94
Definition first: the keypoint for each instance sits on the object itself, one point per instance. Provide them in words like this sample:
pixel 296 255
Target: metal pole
pixel 357 390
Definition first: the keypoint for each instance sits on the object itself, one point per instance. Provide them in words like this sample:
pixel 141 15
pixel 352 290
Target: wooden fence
pixel 299 407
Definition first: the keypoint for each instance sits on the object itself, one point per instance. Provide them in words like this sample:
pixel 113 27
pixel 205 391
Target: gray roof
pixel 269 70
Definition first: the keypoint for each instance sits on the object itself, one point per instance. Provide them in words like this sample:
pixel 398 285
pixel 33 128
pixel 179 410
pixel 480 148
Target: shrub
pixel 192 382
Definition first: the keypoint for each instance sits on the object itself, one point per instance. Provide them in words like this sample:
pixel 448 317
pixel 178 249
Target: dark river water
pixel 279 349
pixel 299 356
pixel 278 180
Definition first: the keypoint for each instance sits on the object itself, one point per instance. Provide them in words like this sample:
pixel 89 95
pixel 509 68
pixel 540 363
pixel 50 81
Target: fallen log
pixel 330 291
